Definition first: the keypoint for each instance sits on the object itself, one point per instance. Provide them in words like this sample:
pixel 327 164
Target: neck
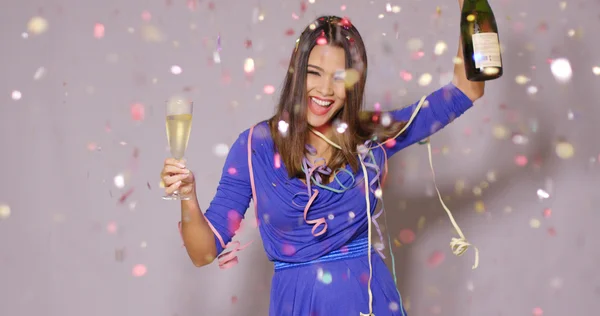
pixel 317 142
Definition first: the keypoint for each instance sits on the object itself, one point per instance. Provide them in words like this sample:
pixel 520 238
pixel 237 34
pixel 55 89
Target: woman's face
pixel 325 84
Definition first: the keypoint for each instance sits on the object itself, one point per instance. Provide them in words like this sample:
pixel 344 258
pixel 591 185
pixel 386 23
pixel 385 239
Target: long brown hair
pixel 292 105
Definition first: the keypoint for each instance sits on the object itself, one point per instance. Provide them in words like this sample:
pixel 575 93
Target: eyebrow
pixel 317 67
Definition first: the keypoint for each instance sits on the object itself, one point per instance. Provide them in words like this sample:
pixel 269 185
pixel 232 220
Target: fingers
pixel 172 169
pixel 169 180
pixel 170 189
pixel 175 162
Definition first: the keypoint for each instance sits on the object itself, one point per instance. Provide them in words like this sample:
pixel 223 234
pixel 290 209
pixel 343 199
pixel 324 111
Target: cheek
pixel 340 92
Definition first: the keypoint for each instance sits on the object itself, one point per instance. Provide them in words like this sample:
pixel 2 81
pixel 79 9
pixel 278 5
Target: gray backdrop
pixel 71 237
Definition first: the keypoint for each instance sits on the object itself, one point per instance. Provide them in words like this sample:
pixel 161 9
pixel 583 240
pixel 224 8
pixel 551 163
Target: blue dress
pixel 320 256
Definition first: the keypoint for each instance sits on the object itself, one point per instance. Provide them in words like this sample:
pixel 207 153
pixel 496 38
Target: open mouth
pixel 319 106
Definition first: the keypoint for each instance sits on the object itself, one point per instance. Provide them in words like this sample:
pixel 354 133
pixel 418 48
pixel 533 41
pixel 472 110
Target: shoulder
pixel 259 136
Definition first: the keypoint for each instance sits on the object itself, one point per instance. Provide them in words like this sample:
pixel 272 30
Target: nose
pixel 325 87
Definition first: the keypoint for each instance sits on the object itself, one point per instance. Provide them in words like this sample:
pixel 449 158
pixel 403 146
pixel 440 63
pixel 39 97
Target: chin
pixel 318 123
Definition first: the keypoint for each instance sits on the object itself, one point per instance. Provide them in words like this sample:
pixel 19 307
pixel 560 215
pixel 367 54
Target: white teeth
pixel 322 103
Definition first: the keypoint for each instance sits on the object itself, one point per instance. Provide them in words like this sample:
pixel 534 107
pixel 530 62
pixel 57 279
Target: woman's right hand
pixel 175 176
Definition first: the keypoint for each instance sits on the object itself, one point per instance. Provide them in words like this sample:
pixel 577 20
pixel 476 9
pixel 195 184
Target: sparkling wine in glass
pixel 179 126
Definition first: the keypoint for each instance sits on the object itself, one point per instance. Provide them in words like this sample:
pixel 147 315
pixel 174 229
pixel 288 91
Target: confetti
pixel 37 25
pixel 440 48
pixel 4 211
pixel 99 30
pixel 39 73
pixel 137 112
pixel 534 223
pixel 269 89
pixel 596 70
pixel 16 95
pixel 521 160
pixel 221 150
pixel 561 69
pixel 176 70
pixel 119 181
pixel 435 259
pixel 537 312
pixel 139 270
pixel 564 150
pixel 249 66
pixel 425 79
pixel 406 236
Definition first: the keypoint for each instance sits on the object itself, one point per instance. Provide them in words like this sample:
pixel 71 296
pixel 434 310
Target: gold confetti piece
pixel 425 79
pixel 563 5
pixel 351 77
pixel 421 223
pixel 459 187
pixel 477 191
pixel 151 34
pixel 534 223
pixel 596 70
pixel 491 176
pixel 521 79
pixel 564 150
pixel 249 65
pixel 440 48
pixel 500 132
pixel 479 207
pixel 414 44
pixel 4 211
pixel 37 25
pixel 457 60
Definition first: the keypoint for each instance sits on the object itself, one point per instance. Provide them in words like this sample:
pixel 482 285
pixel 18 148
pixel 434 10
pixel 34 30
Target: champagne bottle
pixel 480 41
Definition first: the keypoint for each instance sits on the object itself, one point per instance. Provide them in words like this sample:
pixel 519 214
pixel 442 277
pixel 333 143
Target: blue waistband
pixel 354 249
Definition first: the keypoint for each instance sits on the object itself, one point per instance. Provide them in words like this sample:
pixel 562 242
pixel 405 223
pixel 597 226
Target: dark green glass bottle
pixel 480 41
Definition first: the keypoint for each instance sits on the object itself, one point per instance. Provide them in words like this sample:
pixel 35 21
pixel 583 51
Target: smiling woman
pixel 314 182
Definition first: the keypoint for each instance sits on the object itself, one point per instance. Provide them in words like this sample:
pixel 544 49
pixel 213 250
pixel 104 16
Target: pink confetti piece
pixel 289 32
pixel 406 76
pixel 111 227
pixel 192 5
pixel 139 270
pixel 521 160
pixel 125 195
pixel 343 7
pixel 269 89
pixel 99 30
pixel 321 40
pixel 137 112
pixel 146 16
pixel 288 250
pixel 277 161
pixel 435 259
pixel 537 312
pixel 234 299
pixel 406 236
pixel 232 171
pixel 547 213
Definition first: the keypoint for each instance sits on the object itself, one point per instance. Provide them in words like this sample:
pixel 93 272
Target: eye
pixel 312 72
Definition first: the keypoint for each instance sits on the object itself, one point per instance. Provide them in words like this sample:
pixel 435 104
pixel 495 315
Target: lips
pixel 319 106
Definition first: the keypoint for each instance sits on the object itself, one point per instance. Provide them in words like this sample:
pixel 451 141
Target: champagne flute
pixel 179 125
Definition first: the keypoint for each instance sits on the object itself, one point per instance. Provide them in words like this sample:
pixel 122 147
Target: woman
pixel 307 179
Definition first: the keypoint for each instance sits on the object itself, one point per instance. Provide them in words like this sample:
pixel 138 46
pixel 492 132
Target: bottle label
pixel 486 50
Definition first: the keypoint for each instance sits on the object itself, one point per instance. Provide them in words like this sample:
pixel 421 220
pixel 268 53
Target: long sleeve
pixel 440 108
pixel 234 192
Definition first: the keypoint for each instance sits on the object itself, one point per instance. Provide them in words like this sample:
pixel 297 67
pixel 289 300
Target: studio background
pixel 83 228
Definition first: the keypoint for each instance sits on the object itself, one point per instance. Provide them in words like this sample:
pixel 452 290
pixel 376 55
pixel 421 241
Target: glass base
pixel 175 196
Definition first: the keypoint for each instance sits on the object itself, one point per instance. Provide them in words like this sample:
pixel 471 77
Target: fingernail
pixel 180 165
